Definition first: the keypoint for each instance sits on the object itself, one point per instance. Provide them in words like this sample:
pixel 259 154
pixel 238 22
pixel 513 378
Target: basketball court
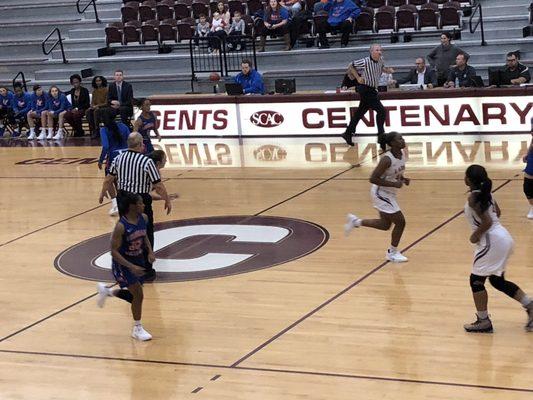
pixel 334 321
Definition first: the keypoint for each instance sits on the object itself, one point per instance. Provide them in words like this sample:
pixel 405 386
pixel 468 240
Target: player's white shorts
pixel 384 201
pixel 492 252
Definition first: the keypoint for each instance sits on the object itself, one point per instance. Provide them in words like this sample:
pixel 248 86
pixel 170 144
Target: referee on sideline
pixel 136 173
pixel 371 68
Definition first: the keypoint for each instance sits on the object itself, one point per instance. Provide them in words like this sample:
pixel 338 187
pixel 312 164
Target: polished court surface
pixel 339 323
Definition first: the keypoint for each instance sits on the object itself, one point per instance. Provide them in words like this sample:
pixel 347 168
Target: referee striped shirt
pixel 135 172
pixel 370 70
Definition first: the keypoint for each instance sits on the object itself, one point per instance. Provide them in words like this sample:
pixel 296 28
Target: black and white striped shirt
pixel 135 172
pixel 370 70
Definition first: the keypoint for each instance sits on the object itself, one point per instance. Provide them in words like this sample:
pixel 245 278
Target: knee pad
pixel 477 283
pixel 499 283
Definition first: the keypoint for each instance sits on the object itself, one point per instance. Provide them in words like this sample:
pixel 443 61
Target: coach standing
pixel 367 71
pixel 136 173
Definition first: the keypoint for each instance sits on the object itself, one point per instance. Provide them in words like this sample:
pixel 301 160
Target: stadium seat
pixel 168 30
pixel 249 29
pixel 113 33
pixel 129 13
pixel 150 31
pixel 375 3
pixel 365 21
pixel 132 32
pixel 181 10
pixel 146 12
pixel 449 14
pixel 236 5
pixel 428 16
pixel 406 17
pixel 396 3
pixel 417 2
pixel 185 30
pixel 165 11
pixel 438 1
pixel 199 7
pixel 384 18
pixel 255 6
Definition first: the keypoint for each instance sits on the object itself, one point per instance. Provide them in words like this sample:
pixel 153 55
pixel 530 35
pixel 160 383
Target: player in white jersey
pixel 386 179
pixel 494 245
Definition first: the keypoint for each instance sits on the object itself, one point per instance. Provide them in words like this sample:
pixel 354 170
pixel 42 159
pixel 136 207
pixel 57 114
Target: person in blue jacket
pixel 114 138
pixel 20 105
pixel 6 112
pixel 39 103
pixel 250 79
pixel 341 16
pixel 58 105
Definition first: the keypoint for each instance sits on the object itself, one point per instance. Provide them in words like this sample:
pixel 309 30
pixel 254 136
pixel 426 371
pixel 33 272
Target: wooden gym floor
pixel 336 324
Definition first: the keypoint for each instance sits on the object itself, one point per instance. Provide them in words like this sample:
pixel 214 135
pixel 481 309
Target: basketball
pixel 214 77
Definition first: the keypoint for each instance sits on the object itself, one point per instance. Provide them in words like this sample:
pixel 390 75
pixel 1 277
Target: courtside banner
pixel 322 152
pixel 197 120
pixel 437 115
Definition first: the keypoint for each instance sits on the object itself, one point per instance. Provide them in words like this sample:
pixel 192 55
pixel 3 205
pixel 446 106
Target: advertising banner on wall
pixel 322 152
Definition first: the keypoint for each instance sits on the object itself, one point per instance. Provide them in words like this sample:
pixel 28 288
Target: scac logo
pixel 266 119
pixel 270 152
pixel 205 248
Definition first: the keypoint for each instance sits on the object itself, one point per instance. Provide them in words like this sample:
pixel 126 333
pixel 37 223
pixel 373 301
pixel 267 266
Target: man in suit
pixel 421 75
pixel 121 94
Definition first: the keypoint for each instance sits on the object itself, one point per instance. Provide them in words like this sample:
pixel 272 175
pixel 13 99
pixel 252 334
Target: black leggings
pixel 477 283
pixel 369 100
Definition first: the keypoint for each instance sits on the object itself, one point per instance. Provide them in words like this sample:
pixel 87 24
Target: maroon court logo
pixel 266 119
pixel 204 248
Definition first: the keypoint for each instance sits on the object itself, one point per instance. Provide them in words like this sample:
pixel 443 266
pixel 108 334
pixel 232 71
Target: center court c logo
pixel 203 248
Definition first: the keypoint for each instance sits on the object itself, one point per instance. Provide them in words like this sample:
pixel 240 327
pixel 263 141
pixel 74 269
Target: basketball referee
pixel 136 173
pixel 367 72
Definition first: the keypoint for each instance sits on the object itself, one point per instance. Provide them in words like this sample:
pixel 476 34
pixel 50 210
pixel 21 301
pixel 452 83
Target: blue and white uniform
pixel 147 125
pixel 132 249
pixel 111 148
pixel 494 247
pixel 384 197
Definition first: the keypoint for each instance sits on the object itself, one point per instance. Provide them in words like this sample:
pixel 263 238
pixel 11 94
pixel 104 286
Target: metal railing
pixel 59 42
pixel 91 2
pixel 478 23
pixel 21 74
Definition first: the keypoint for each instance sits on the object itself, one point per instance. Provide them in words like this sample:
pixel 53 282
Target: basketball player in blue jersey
pixel 528 176
pixel 114 138
pixel 386 179
pixel 128 242
pixel 493 245
pixel 146 123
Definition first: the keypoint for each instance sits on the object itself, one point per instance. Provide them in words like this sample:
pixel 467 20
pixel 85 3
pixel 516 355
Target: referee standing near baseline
pixel 371 68
pixel 136 173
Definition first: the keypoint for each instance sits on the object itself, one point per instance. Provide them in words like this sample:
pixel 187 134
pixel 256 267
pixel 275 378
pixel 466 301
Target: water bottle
pixel 456 82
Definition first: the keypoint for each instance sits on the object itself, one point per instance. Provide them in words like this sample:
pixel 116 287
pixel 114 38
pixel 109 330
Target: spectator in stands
pixel 386 80
pixel 39 104
pixel 121 92
pixel 236 31
pixel 514 72
pixel 98 102
pixel 202 30
pixel 217 33
pixel 420 75
pixel 21 106
pixel 462 75
pixel 58 106
pixel 81 102
pixel 274 22
pixel 341 15
pixel 6 112
pixel 293 6
pixel 442 57
pixel 250 79
pixel 223 10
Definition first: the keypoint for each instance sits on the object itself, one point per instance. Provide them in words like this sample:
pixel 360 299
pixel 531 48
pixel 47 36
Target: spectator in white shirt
pixel 420 75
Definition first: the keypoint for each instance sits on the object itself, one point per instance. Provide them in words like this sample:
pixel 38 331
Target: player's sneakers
pixel 42 135
pixel 395 256
pixel 103 294
pixel 530 213
pixel 140 334
pixel 32 135
pixel 479 326
pixel 50 134
pixel 58 135
pixel 348 138
pixel 351 222
pixel 113 211
pixel 529 310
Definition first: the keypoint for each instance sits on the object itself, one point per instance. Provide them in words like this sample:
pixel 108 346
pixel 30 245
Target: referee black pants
pixel 369 100
pixel 147 200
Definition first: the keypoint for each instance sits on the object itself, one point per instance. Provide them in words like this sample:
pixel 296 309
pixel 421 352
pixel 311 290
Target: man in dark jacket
pixel 421 75
pixel 462 75
pixel 442 57
pixel 121 92
pixel 341 16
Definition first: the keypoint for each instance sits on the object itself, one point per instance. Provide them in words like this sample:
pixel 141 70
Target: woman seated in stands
pixel 223 10
pixel 58 106
pixel 80 100
pixel 217 34
pixel 275 22
pixel 98 101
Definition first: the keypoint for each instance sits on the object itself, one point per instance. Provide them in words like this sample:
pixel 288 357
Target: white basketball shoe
pixel 351 222
pixel 395 256
pixel 140 334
